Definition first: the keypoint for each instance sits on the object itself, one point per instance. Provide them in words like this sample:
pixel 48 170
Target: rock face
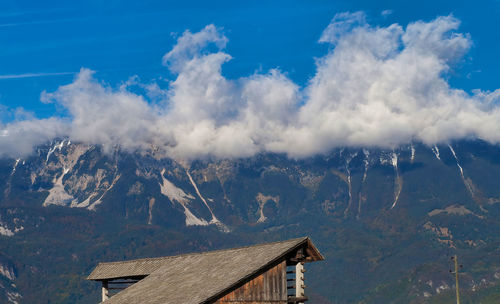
pixel 8 275
pixel 370 209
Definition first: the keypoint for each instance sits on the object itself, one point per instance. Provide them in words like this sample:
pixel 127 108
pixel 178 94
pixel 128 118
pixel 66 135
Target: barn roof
pixel 199 277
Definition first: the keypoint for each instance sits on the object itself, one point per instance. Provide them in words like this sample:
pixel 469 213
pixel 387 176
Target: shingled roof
pixel 196 278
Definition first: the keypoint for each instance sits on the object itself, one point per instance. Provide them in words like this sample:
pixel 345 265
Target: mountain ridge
pixel 400 211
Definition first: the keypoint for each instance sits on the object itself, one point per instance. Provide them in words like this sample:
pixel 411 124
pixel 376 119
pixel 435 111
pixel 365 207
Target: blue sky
pixel 42 42
pixel 230 79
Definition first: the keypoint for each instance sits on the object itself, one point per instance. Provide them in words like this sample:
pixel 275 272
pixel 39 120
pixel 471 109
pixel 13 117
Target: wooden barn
pixel 264 273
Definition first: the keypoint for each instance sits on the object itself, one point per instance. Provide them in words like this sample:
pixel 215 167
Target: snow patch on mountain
pixel 435 150
pixel 458 164
pixel 15 166
pixel 214 219
pixel 176 194
pixel 412 159
pixel 58 147
pixel 349 183
pixel 366 161
pixel 398 182
pixel 394 160
pixel 467 183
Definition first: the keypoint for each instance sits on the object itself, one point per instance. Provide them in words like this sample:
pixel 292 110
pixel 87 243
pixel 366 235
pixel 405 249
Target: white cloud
pixel 341 24
pixel 19 138
pixel 191 45
pixel 105 116
pixel 386 13
pixel 376 86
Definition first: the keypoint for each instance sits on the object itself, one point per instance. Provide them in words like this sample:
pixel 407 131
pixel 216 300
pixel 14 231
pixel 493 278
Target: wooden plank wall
pixel 269 287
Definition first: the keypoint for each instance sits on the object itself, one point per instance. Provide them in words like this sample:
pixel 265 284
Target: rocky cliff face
pixel 8 275
pixel 400 212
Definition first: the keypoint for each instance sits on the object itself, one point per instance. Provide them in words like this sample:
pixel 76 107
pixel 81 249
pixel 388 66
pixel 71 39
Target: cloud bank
pixel 376 86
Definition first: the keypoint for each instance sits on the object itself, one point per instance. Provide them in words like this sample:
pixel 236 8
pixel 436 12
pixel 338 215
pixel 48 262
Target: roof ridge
pixel 199 253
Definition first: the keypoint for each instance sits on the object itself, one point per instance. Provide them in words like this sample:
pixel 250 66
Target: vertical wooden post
pixel 299 280
pixel 104 290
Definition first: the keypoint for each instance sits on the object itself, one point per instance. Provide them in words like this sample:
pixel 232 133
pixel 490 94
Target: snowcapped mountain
pixel 400 212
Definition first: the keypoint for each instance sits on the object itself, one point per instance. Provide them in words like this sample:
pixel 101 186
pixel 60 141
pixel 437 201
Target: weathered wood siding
pixel 269 287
